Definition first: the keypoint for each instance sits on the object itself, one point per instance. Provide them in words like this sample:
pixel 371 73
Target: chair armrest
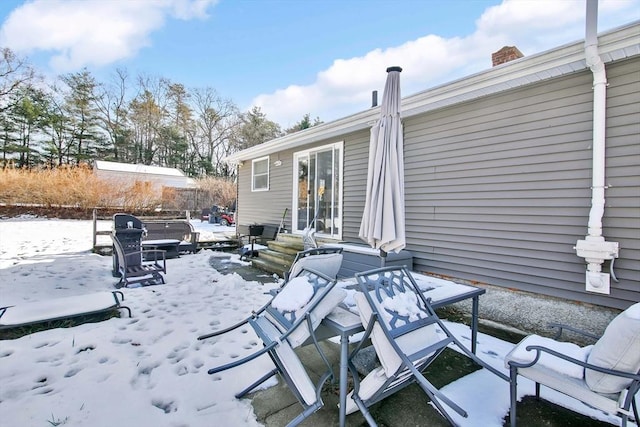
pixel 155 258
pixel 561 327
pixel 540 349
pixel 147 251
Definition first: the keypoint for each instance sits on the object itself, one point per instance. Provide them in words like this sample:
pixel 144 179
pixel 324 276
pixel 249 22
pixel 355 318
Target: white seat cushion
pixel 327 264
pixel 368 386
pixel 618 349
pixel 295 295
pixel 328 303
pixel 573 387
pixel 292 365
pixel 520 354
pixel 409 343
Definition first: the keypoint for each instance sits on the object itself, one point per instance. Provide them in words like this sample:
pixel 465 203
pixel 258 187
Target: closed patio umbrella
pixel 382 224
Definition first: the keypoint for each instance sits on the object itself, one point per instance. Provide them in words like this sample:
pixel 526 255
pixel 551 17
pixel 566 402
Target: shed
pixel 158 176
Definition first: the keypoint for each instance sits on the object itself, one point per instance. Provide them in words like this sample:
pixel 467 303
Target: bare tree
pixel 111 104
pixel 216 119
pixel 14 73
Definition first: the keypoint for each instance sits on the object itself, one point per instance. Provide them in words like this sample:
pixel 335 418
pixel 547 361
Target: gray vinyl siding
pixel 356 158
pixel 266 207
pixel 498 189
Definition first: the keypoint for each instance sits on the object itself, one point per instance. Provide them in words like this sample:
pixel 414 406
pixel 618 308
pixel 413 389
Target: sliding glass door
pixel 318 190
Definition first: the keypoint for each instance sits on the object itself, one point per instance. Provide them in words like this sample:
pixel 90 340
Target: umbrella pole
pixel 383 258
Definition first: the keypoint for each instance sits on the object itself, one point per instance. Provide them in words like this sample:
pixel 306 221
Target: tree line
pixel 143 119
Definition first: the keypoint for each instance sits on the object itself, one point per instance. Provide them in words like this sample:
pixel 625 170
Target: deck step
pixel 290 238
pixel 285 247
pixel 276 257
pixel 279 255
pixel 269 266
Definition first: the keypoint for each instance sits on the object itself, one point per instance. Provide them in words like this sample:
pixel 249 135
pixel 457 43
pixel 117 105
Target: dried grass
pixel 220 191
pixel 74 186
pixel 80 187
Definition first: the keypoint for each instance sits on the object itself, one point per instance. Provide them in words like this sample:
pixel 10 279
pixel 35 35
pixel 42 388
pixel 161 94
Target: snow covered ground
pixel 149 370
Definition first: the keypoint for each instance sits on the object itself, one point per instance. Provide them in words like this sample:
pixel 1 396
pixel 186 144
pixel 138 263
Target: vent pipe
pixel 594 249
pixel 374 98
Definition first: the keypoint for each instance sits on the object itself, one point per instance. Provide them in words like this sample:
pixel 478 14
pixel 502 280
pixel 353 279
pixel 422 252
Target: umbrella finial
pixel 396 68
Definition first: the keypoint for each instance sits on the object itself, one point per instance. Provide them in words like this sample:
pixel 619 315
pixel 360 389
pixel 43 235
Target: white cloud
pixel 91 32
pixel 533 26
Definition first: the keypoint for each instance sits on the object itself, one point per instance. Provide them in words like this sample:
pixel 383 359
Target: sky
pixel 150 370
pixel 292 57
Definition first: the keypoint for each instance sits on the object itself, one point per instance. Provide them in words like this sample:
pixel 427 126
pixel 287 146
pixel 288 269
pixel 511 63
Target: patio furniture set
pixel 397 314
pixel 141 248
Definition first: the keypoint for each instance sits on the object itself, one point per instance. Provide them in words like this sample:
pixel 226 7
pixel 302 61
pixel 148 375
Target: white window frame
pixel 339 145
pixel 253 174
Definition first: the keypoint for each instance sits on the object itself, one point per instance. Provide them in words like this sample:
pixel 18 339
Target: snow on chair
pixel 325 259
pixel 289 320
pixel 407 336
pixel 605 376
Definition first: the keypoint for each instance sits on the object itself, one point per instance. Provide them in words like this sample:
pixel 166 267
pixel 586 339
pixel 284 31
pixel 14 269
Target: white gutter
pixel 594 249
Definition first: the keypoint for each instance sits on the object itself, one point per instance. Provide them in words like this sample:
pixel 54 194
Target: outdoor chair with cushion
pixel 407 336
pixel 605 375
pixel 290 320
pixel 326 260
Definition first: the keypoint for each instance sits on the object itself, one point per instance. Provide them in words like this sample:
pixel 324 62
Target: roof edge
pixel 616 44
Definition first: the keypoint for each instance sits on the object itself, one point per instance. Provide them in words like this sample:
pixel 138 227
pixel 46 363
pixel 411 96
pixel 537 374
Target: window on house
pixel 260 174
pixel 317 192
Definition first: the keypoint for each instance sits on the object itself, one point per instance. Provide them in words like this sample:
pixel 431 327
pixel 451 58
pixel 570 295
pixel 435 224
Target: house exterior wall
pixel 498 189
pixel 266 207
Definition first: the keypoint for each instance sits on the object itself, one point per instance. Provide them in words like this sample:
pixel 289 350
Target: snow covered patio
pixel 151 370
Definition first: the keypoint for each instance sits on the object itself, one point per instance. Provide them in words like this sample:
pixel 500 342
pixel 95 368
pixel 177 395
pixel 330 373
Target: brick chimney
pixel 506 54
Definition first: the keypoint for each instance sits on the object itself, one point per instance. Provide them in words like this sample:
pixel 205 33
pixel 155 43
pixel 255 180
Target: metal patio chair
pixel 142 267
pixel 283 328
pixel 407 336
pixel 326 260
pixel 606 376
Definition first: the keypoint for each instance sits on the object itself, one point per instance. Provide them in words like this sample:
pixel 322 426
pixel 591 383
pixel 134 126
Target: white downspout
pixel 594 248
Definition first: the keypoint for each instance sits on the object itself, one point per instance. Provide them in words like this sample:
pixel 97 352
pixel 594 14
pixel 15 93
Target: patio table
pixel 345 323
pixel 170 246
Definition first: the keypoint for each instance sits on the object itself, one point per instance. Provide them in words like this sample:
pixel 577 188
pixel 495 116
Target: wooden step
pixel 285 247
pixel 290 238
pixel 268 266
pixel 275 257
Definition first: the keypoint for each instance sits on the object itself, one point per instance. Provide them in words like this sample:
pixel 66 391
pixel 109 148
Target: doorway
pixel 317 194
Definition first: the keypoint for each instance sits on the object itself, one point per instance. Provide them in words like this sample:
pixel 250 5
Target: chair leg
pixel 262 379
pixel 514 394
pixel 538 391
pixel 365 412
pixel 308 411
